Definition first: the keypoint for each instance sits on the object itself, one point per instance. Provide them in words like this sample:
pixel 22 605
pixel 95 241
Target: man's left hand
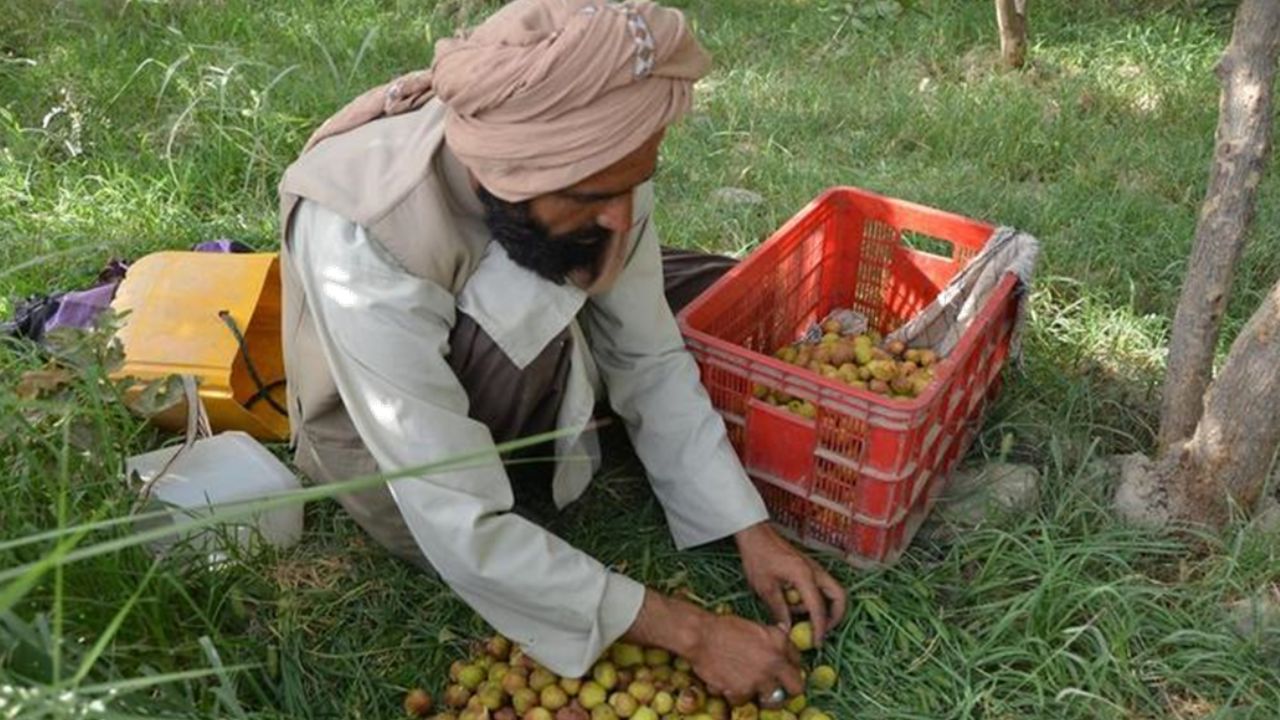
pixel 771 564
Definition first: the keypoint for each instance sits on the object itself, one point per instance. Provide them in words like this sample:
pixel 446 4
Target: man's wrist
pixel 748 535
pixel 673 625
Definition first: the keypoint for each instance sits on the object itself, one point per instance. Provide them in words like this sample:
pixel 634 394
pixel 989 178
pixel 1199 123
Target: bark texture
pixel 1011 16
pixel 1218 437
pixel 1247 71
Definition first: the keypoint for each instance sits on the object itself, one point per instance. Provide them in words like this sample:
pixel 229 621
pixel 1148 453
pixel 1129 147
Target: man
pixel 469 258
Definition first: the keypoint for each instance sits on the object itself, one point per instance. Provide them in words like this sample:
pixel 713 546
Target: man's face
pixel 578 234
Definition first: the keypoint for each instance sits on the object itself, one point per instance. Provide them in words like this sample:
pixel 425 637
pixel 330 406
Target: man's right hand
pixel 739 659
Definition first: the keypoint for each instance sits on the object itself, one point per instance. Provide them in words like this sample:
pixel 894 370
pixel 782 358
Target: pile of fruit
pixel 500 682
pixel 863 361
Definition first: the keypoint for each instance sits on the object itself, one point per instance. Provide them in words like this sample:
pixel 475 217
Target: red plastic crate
pixel 860 477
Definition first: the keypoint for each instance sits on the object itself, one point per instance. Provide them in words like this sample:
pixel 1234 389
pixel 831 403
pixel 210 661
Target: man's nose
pixel 616 213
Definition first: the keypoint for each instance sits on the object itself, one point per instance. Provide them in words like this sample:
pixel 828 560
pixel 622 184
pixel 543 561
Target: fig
pixel 498 647
pixel 553 697
pixel 471 676
pixel 456 696
pixel 823 677
pixel 623 704
pixel 802 635
pixel 417 703
pixel 523 700
pixel 540 679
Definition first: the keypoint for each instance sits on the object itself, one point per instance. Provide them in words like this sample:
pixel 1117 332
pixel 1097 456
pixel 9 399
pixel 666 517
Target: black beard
pixel 532 246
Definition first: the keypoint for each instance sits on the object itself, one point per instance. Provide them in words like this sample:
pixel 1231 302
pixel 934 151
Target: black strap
pixel 263 390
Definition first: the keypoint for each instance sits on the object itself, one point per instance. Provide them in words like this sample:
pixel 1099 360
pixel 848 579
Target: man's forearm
pixel 670 624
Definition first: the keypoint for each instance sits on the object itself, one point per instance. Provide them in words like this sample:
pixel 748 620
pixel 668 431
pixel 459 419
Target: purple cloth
pixel 80 308
pixel 36 316
pixel 222 245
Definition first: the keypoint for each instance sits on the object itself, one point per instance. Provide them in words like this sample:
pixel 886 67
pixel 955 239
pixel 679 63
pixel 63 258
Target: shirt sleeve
pixel 385 336
pixel 654 386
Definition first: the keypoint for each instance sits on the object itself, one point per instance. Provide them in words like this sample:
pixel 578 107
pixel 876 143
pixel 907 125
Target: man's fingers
pixel 835 592
pixel 777 603
pixel 791 679
pixel 816 604
pixel 793 653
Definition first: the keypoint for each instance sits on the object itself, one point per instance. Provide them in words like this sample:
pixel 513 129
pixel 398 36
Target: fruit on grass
pixel 823 677
pixel 572 712
pixel 592 694
pixel 623 704
pixel 652 685
pixel 802 635
pixel 471 676
pixel 491 696
pixel 604 712
pixel 524 700
pixel 554 697
pixel 626 655
pixel 513 681
pixel 642 691
pixel 498 647
pixel 656 657
pixel 691 700
pixel 606 674
pixel 456 696
pixel 417 703
pixel 541 678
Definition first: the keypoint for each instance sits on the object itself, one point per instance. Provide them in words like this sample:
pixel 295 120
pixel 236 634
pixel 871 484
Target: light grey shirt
pixel 385 336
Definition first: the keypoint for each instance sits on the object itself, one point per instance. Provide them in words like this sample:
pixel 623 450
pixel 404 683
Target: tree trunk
pixel 1226 461
pixel 1011 15
pixel 1218 438
pixel 1243 141
pixel 1223 466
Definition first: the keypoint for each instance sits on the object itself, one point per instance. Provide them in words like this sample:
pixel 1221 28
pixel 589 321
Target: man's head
pixel 577 234
pixel 557 108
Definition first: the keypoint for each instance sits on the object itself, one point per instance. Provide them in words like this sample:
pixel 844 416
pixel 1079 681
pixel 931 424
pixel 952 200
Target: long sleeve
pixel 385 336
pixel 653 384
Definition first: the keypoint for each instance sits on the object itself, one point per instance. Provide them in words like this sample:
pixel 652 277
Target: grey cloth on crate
pixel 942 323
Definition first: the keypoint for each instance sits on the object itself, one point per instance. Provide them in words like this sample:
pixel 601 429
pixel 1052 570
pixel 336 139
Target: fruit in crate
pixel 628 681
pixel 863 360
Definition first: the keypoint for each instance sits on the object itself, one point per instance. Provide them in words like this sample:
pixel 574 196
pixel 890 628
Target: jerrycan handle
pixel 197 427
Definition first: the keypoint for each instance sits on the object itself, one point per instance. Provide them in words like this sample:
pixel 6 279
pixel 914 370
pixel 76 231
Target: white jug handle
pixel 197 427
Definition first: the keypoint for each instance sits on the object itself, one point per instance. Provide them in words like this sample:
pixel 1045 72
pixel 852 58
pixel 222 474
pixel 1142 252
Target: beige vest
pixel 390 176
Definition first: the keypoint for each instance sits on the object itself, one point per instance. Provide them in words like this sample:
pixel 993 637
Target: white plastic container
pixel 209 471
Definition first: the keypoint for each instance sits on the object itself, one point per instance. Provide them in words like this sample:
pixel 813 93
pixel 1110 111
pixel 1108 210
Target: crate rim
pixel 800 216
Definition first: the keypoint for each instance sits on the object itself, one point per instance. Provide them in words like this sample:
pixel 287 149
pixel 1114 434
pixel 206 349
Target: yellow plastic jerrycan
pixel 215 316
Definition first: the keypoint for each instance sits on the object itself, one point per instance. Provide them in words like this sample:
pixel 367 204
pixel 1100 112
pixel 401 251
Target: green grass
pixel 127 127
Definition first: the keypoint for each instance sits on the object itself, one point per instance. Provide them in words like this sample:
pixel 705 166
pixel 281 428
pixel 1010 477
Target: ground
pixel 127 127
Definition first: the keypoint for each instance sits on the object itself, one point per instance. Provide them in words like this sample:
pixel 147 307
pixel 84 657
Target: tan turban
pixel 547 92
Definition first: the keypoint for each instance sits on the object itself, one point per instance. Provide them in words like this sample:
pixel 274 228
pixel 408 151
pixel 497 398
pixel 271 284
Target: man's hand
pixel 739 659
pixel 771 563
